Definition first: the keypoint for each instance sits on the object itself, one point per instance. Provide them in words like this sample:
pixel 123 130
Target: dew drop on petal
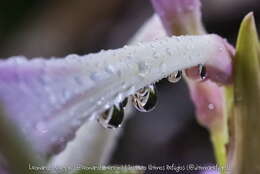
pixel 66 94
pixel 202 72
pixel 175 77
pixel 211 106
pixel 124 103
pixel 41 127
pixel 145 99
pixel 110 69
pixel 112 118
pixel 96 76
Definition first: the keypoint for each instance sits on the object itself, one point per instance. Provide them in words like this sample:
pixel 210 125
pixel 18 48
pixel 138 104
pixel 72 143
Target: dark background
pixel 49 28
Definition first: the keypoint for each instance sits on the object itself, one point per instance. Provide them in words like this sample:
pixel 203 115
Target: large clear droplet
pixel 202 72
pixel 112 118
pixel 145 99
pixel 175 77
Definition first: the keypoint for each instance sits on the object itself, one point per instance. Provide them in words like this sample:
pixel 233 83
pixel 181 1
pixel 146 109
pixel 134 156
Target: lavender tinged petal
pixel 3 165
pixel 50 99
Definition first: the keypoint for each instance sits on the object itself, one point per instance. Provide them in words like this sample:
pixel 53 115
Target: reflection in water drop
pixel 202 72
pixel 112 118
pixel 124 103
pixel 145 99
pixel 175 77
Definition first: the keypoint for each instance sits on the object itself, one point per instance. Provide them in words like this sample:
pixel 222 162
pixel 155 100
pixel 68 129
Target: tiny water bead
pixel 211 106
pixel 175 77
pixel 145 99
pixel 202 71
pixel 112 118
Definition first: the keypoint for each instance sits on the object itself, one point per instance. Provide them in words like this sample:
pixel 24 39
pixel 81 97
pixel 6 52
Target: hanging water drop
pixel 202 72
pixel 175 77
pixel 145 99
pixel 112 118
pixel 124 103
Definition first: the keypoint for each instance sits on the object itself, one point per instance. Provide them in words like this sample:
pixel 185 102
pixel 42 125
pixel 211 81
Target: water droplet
pixel 145 99
pixel 99 102
pixel 96 76
pixel 211 106
pixel 142 66
pixel 110 69
pixel 106 106
pixel 202 71
pixel 124 103
pixel 78 80
pixel 175 77
pixel 41 127
pixel 112 118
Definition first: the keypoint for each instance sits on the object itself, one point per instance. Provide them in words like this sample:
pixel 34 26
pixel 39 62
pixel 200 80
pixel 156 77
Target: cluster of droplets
pixel 176 76
pixel 144 100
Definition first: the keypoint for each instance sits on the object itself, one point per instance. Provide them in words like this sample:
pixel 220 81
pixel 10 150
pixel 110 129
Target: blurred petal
pixel 183 17
pixel 15 153
pixel 180 16
pixel 145 33
pixel 207 98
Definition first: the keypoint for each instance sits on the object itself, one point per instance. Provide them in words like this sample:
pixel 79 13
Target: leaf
pixel 247 99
